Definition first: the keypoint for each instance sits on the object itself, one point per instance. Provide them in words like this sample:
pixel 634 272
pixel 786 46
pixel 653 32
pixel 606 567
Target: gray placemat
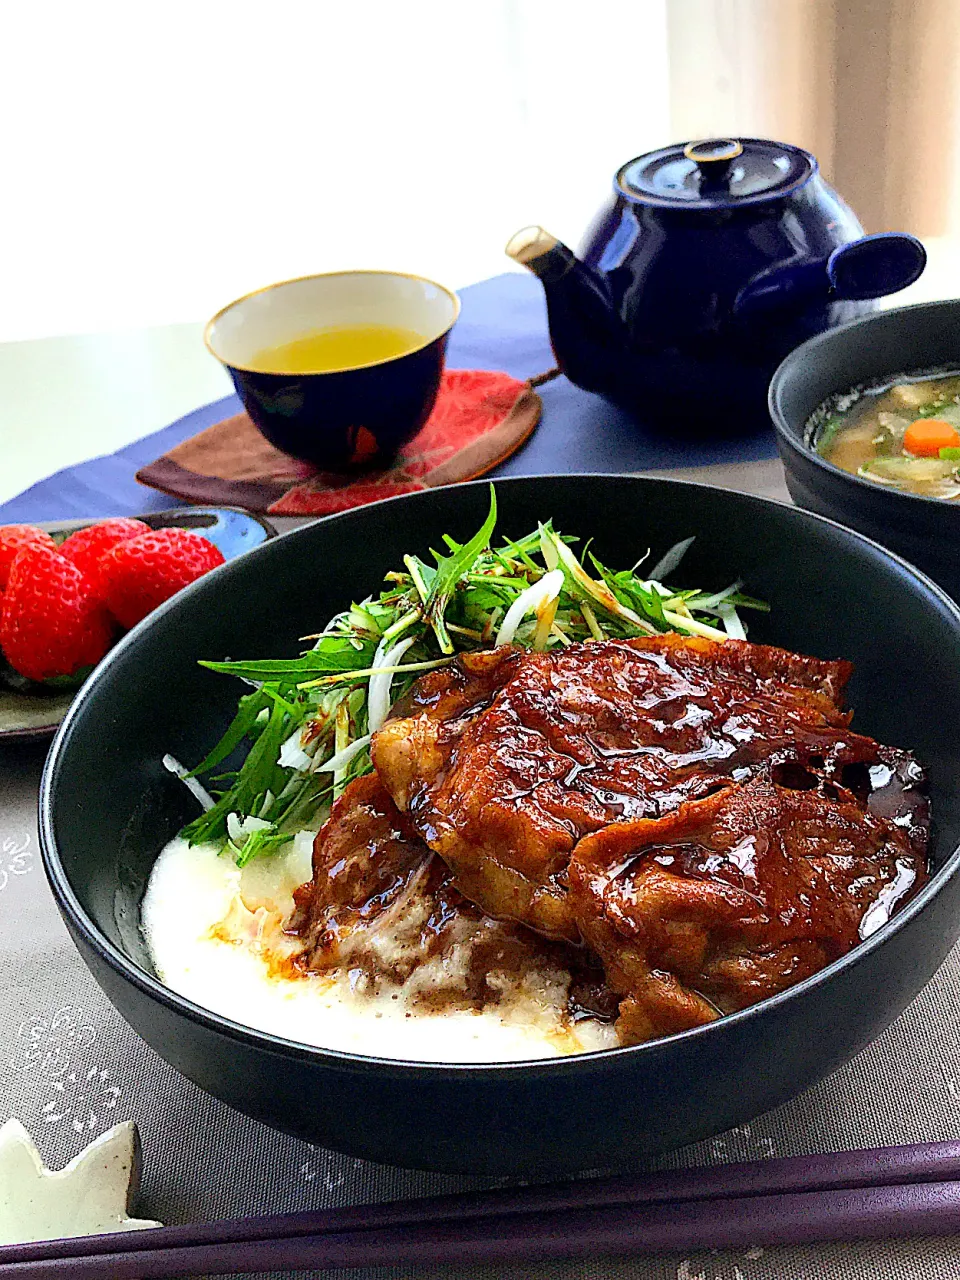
pixel 71 1068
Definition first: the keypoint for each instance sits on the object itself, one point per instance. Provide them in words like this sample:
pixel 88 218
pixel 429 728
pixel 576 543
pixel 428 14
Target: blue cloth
pixel 503 325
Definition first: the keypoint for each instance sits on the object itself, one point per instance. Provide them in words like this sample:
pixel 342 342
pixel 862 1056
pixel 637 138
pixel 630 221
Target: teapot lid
pixel 718 173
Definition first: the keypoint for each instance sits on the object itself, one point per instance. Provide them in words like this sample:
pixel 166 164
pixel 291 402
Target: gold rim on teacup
pixel 330 275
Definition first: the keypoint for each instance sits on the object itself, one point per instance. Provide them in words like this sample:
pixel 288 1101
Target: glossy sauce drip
pixel 737 896
pixel 515 756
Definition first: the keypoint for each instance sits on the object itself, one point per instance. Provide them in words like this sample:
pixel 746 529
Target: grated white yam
pixel 215 933
pixel 303 843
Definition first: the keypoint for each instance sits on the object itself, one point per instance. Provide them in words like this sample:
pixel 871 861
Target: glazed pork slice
pixel 733 898
pixel 505 759
pixel 382 907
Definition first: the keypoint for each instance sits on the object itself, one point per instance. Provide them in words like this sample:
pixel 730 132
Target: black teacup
pixel 340 417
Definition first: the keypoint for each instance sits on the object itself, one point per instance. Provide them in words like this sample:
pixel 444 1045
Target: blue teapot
pixel 708 264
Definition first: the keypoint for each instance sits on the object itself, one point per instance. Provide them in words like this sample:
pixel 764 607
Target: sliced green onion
pixel 532 600
pixel 238 830
pixel 340 676
pixel 343 756
pixel 731 622
pixel 597 591
pixel 385 665
pixel 670 560
pixel 292 754
pixel 681 623
pixel 546 615
pixel 199 792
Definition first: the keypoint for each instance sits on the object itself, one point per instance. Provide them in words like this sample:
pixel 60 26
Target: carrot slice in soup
pixel 927 436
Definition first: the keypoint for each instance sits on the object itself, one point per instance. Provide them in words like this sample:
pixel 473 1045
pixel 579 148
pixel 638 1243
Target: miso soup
pixel 904 434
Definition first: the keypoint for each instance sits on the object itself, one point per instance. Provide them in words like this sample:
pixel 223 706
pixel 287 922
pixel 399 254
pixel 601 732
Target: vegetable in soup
pixel 905 434
pixel 346 346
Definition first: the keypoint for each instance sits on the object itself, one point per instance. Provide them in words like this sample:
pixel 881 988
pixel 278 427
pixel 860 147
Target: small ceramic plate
pixel 29 711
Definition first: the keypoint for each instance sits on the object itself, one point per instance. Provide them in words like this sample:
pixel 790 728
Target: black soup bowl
pixel 108 806
pixel 925 531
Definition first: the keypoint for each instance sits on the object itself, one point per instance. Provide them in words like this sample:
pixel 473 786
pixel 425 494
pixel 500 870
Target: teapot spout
pixel 541 253
pixel 586 332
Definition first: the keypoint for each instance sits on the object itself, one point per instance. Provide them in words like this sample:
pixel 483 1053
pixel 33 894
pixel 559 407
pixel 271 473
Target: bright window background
pixel 163 158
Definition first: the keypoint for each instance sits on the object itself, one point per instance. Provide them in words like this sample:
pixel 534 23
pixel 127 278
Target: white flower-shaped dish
pixel 92 1194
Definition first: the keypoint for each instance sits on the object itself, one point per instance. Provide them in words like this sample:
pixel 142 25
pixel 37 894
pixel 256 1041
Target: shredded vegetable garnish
pixel 306 725
pixel 201 794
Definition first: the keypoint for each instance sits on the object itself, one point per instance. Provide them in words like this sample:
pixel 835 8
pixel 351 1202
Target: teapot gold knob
pixel 713 158
pixel 713 150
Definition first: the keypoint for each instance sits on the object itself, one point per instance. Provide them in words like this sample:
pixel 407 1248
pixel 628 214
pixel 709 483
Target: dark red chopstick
pixel 876 1168
pixel 924 1208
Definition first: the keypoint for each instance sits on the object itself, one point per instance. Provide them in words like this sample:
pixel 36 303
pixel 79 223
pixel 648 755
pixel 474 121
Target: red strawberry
pixel 52 624
pixel 86 546
pixel 15 536
pixel 141 573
